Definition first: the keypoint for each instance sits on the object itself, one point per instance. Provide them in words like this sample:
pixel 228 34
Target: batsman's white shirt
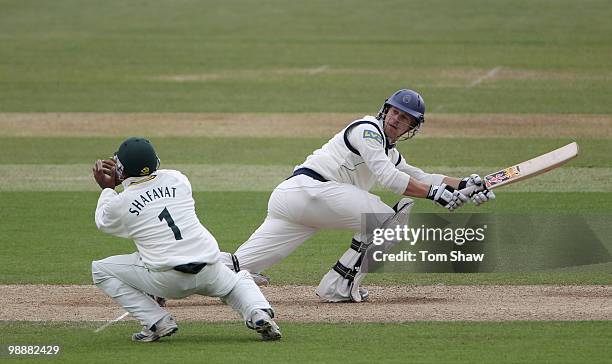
pixel 158 213
pixel 360 155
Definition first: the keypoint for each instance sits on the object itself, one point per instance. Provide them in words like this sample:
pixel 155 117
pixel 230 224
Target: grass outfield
pixel 498 153
pixel 56 231
pixel 423 342
pixel 40 222
pixel 275 56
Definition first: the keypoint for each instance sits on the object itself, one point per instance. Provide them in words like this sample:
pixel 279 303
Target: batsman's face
pixel 397 123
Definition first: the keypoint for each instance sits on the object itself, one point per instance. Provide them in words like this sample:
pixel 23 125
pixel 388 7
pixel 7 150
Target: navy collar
pixel 388 145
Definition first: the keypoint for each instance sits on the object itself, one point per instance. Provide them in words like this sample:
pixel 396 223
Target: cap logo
pixel 406 99
pixel 144 171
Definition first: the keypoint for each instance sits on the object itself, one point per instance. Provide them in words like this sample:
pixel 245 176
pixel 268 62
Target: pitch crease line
pixel 318 70
pixel 489 74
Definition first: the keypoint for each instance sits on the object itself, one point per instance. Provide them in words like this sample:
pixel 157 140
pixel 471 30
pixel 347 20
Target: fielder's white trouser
pixel 127 280
pixel 297 208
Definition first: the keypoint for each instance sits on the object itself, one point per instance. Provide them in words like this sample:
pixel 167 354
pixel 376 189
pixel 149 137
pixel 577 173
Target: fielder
pixel 176 257
pixel 330 190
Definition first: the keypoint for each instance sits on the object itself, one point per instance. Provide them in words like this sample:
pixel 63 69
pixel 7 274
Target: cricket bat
pixel 527 169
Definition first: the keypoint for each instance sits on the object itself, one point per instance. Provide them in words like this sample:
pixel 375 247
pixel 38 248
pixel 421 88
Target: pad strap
pixel 357 246
pixel 345 272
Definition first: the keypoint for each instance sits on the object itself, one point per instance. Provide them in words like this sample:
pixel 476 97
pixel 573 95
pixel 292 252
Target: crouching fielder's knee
pixel 97 273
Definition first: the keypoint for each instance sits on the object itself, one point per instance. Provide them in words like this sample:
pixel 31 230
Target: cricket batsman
pixel 331 190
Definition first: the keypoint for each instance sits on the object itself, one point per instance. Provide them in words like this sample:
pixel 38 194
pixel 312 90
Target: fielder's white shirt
pixel 372 160
pixel 158 213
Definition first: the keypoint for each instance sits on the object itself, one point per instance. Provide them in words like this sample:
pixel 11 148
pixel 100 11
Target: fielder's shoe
pixel 166 326
pixel 260 279
pixel 261 321
pixel 364 294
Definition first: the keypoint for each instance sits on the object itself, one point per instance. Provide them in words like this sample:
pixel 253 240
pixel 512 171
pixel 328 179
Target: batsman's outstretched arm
pixel 452 181
pixel 416 188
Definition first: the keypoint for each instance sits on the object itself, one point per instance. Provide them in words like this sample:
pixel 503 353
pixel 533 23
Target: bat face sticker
pixel 502 176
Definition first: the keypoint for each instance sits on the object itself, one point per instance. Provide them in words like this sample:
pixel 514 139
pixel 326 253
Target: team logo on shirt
pixel 371 134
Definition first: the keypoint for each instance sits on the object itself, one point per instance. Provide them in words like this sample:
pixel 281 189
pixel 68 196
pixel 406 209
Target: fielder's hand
pixel 446 196
pixel 481 194
pixel 104 172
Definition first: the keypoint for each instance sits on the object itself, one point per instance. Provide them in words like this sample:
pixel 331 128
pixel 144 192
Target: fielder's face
pixel 397 123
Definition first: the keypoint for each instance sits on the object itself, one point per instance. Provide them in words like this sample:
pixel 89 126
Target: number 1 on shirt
pixel 165 215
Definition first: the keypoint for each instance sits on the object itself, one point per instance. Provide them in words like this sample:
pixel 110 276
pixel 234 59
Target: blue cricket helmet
pixel 408 101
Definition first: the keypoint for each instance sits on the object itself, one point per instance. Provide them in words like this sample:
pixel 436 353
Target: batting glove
pixel 446 196
pixel 481 194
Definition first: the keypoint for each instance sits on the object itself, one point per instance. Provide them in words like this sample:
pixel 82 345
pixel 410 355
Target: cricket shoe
pixel 260 279
pixel 166 326
pixel 364 293
pixel 261 321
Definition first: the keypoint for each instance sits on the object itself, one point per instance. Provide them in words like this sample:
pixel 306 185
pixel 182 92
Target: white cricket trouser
pixel 297 208
pixel 127 280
